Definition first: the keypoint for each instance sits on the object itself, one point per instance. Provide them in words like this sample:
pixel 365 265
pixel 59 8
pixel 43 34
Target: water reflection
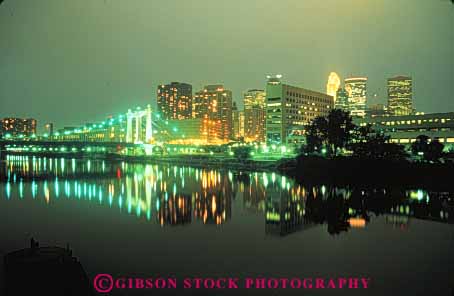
pixel 173 195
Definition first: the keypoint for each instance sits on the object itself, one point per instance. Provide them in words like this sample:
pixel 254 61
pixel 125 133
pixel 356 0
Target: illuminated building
pixel 254 115
pixel 237 122
pixel 182 131
pixel 175 100
pixel 290 108
pixel 400 96
pixel 404 129
pixel 49 129
pixel 214 105
pixel 357 95
pixel 22 127
pixel 333 85
pixel 342 100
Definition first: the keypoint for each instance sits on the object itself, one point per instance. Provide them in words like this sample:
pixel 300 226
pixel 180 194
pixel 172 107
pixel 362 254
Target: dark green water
pixel 170 221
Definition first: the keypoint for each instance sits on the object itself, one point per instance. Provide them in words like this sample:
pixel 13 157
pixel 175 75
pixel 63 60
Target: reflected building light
pixel 21 189
pixel 357 222
pixel 56 188
pixel 120 202
pixel 46 192
pixel 100 195
pixel 8 190
pixel 34 189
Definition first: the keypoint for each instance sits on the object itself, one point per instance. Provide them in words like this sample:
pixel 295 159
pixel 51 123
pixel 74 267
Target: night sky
pixel 71 62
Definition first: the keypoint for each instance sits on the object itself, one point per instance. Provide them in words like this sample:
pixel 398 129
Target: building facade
pixel 290 108
pixel 404 129
pixel 175 100
pixel 23 127
pixel 254 115
pixel 214 105
pixel 237 123
pixel 400 95
pixel 357 95
pixel 342 100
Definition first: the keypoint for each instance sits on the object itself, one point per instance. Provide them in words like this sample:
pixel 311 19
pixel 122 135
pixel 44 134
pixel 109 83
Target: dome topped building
pixel 333 85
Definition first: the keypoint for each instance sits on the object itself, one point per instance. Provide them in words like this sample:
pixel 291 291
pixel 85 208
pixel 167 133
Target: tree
pixel 331 133
pixel 316 134
pixel 430 150
pixel 376 145
pixel 434 151
pixel 242 152
pixel 421 145
pixel 340 125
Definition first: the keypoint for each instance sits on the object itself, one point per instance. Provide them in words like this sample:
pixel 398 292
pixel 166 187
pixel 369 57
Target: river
pixel 166 221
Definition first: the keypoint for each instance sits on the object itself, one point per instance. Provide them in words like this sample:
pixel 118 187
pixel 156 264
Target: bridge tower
pixel 149 129
pixel 129 116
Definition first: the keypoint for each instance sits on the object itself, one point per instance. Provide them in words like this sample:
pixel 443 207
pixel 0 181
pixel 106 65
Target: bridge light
pixel 7 136
pixel 45 135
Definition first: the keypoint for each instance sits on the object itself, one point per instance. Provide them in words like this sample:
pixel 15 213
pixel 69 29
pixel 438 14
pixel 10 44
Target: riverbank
pixel 366 172
pixel 194 160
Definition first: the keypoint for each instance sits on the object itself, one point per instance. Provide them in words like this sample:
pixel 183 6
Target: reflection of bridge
pixel 62 146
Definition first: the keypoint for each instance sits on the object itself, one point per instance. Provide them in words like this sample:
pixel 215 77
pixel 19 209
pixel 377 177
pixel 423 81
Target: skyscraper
pixel 49 128
pixel 357 95
pixel 18 126
pixel 342 100
pixel 214 105
pixel 254 115
pixel 237 122
pixel 400 95
pixel 290 108
pixel 333 85
pixel 175 100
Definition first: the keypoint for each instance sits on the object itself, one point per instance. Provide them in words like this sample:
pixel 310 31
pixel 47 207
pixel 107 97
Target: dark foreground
pixel 348 171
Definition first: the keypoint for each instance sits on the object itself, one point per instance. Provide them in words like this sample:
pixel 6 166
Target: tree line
pixel 336 135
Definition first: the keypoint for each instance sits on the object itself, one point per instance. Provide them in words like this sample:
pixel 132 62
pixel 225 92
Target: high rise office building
pixel 290 108
pixel 214 105
pixel 237 122
pixel 18 126
pixel 254 115
pixel 400 95
pixel 175 100
pixel 357 95
pixel 342 100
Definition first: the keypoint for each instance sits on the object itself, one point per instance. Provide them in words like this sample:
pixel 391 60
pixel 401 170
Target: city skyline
pixel 121 68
